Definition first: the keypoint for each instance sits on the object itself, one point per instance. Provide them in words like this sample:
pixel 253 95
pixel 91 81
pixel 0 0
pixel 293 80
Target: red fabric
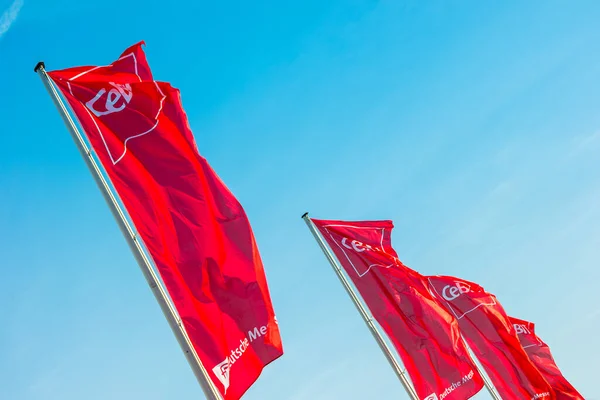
pixel 194 228
pixel 423 333
pixel 488 331
pixel 539 354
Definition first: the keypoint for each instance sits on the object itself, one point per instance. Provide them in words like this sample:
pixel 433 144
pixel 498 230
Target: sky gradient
pixel 474 126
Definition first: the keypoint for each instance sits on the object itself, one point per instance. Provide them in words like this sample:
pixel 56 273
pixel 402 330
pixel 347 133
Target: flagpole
pixel 134 242
pixel 488 384
pixel 362 311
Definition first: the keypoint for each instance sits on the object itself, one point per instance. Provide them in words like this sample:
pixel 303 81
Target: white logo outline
pixel 531 332
pixel 455 290
pixel 221 371
pixel 493 303
pixel 112 158
pixel 360 275
pixel 112 97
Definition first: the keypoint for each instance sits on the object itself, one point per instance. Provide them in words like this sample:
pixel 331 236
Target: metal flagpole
pixel 133 241
pixel 488 384
pixel 361 309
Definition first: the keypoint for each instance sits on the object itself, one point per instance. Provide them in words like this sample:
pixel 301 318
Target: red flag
pixel 193 227
pixel 423 333
pixel 489 333
pixel 539 354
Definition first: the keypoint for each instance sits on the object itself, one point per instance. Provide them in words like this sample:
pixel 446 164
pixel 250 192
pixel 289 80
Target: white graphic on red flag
pixel 345 244
pixel 453 292
pixel 221 371
pixel 112 98
pixel 115 98
pixel 522 329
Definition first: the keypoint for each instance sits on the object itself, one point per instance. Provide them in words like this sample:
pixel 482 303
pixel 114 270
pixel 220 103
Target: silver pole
pixel 361 309
pixel 210 392
pixel 488 384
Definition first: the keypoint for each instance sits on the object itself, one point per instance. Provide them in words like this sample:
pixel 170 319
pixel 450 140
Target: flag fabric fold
pixel 492 338
pixel 195 230
pixel 539 353
pixel 423 333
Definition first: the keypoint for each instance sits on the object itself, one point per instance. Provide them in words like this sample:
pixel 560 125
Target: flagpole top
pixel 305 214
pixel 38 66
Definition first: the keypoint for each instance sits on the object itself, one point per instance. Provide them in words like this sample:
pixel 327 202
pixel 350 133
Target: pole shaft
pixel 488 384
pixel 134 242
pixel 362 311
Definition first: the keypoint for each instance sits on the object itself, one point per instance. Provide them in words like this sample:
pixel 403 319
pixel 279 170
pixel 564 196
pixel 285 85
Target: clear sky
pixel 474 126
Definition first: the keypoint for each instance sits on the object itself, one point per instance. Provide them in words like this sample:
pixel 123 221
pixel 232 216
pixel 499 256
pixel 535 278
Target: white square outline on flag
pixel 344 251
pixel 452 309
pixel 94 121
pixel 532 330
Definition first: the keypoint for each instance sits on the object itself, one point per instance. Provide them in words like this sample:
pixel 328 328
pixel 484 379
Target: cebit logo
pixel 361 263
pixel 451 292
pixel 115 101
pixel 357 246
pixel 432 396
pixel 221 371
pixel 123 114
pixel 522 329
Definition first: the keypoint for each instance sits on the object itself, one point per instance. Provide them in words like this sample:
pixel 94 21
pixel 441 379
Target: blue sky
pixel 475 126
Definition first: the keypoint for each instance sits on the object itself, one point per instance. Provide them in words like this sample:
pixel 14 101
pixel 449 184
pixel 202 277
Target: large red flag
pixel 539 353
pixel 488 331
pixel 423 333
pixel 195 230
